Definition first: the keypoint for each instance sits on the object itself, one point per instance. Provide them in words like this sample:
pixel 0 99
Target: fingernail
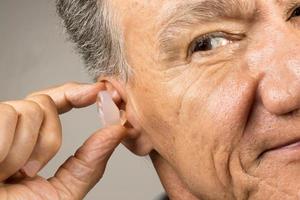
pixel 31 168
pixel 108 111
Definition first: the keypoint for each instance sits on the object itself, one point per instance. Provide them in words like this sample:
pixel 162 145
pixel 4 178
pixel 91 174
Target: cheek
pixel 215 103
pixel 195 121
pixel 212 116
pixel 155 108
pixel 158 102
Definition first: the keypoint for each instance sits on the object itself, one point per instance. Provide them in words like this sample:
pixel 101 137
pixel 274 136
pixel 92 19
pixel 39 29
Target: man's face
pixel 216 87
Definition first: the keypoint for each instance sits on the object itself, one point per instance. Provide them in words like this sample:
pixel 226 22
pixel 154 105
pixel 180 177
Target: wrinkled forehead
pixel 162 11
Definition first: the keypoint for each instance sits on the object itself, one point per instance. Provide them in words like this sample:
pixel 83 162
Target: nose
pixel 277 56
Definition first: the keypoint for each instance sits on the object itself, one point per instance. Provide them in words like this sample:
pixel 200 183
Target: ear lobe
pixel 137 141
pixel 139 146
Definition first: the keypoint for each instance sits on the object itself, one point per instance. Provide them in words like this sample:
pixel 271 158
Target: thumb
pixel 77 176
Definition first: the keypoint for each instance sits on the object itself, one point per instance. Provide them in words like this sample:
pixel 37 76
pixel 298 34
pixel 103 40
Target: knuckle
pixel 8 110
pixel 44 100
pixel 56 144
pixel 104 137
pixel 53 142
pixel 33 109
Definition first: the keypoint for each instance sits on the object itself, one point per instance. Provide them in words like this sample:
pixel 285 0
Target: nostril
pixel 295 113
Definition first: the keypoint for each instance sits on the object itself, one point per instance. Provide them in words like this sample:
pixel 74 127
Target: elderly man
pixel 210 90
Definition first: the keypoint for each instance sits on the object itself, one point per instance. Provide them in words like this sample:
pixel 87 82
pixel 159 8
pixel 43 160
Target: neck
pixel 174 187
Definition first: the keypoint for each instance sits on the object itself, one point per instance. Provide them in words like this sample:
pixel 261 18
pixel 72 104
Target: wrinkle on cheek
pixel 244 185
pixel 294 66
pixel 185 95
pixel 220 160
pixel 230 105
pixel 199 84
pixel 216 108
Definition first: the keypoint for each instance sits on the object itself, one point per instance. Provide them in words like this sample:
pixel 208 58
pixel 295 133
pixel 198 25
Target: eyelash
pixel 231 38
pixel 295 12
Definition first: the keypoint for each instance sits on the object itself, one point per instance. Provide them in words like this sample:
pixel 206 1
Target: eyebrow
pixel 196 12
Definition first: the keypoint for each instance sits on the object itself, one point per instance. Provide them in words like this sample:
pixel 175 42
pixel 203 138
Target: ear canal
pixel 108 111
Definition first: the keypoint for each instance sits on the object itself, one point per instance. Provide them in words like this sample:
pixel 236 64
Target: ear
pixel 137 141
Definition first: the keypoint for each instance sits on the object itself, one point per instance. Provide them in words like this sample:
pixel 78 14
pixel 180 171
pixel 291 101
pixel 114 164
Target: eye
pixel 209 42
pixel 296 13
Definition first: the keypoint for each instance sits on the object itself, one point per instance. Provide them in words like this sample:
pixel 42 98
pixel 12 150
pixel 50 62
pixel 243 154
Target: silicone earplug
pixel 108 111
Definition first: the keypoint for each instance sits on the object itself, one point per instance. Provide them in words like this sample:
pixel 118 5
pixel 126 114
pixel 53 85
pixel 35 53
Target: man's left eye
pixel 296 12
pixel 209 42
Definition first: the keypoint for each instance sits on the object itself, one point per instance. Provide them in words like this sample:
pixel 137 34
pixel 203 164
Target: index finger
pixel 72 95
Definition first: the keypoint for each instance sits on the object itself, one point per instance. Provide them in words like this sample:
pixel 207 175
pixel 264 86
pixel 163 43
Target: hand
pixel 30 133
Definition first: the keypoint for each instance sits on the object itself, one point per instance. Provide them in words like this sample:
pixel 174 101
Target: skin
pixel 212 121
pixel 31 135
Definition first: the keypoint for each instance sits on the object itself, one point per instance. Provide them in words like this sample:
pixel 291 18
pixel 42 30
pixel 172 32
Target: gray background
pixel 34 54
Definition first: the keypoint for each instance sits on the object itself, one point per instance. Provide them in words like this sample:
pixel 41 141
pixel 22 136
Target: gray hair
pixel 92 26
